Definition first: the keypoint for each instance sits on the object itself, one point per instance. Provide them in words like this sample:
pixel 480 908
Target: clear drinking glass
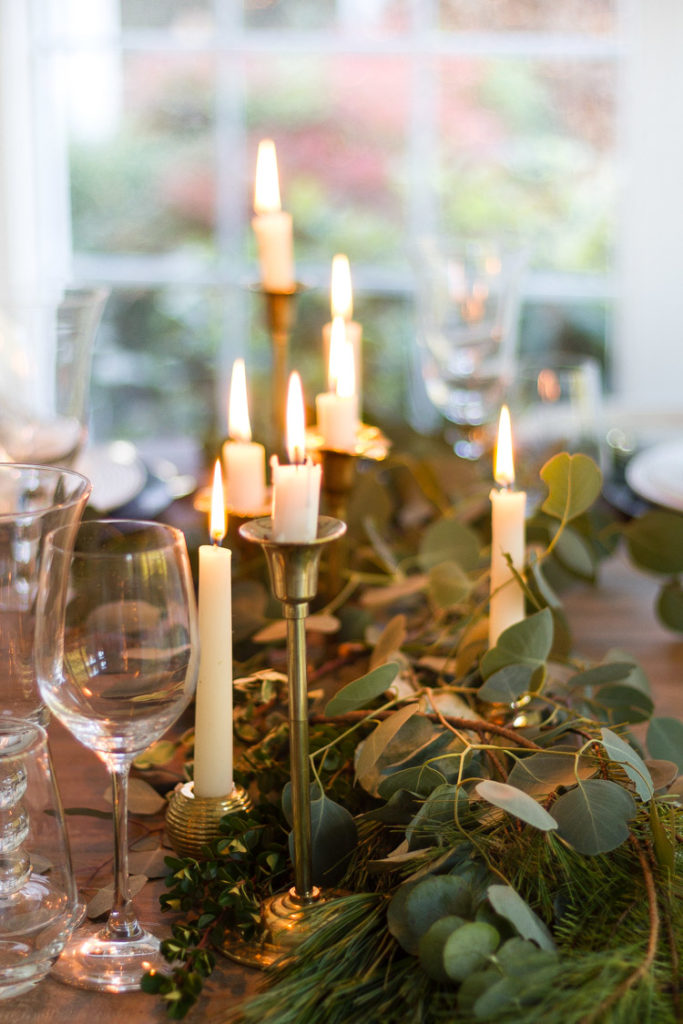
pixel 45 359
pixel 117 660
pixel 467 311
pixel 38 900
pixel 33 501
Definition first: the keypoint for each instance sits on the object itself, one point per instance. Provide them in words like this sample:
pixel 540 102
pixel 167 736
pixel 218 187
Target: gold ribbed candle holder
pixel 193 821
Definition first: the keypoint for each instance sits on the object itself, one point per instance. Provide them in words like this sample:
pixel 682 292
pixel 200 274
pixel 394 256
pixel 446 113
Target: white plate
pixel 657 474
pixel 116 471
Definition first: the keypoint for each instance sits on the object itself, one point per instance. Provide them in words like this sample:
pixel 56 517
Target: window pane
pixel 360 16
pixel 339 125
pixel 155 368
pixel 594 17
pixel 528 147
pixel 178 15
pixel 142 153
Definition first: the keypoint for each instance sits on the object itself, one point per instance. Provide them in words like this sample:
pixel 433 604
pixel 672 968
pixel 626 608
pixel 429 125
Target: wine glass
pixel 117 660
pixel 467 310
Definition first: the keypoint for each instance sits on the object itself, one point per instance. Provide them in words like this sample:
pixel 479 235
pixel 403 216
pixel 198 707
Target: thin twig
pixel 467 724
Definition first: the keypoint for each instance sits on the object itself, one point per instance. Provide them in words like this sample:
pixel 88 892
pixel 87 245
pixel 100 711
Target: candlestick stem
pixel 293 571
pixel 280 310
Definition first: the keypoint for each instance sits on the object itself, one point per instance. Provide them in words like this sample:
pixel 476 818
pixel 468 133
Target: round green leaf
pixel 507 684
pixel 507 902
pixel 517 803
pixel 624 703
pixel 527 643
pixel 655 541
pixel 575 554
pixel 448 584
pixel 360 692
pixel 416 906
pixel 610 672
pixel 333 837
pixel 665 740
pixel 546 771
pixel 422 779
pixel 468 949
pixel 431 945
pixel 573 481
pixel 593 818
pixel 521 955
pixel 449 540
pixel 670 605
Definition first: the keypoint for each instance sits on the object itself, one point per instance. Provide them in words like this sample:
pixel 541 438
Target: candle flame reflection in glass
pixel 504 469
pixel 341 293
pixel 296 424
pixel 337 350
pixel 239 426
pixel 267 184
pixel 217 524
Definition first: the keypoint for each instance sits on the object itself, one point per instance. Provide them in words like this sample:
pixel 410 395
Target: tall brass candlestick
pixel 294 577
pixel 280 313
pixel 339 472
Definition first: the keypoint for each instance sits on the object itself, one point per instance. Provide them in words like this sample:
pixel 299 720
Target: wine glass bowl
pixel 117 659
pixel 467 308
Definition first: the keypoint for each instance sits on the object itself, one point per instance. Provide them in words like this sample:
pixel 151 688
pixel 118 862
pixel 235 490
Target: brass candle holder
pixel 280 311
pixel 193 821
pixel 338 477
pixel 293 567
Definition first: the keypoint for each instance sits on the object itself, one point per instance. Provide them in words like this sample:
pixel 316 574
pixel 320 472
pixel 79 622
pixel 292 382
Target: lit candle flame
pixel 217 524
pixel 504 469
pixel 341 293
pixel 346 372
pixel 296 424
pixel 267 184
pixel 239 427
pixel 337 347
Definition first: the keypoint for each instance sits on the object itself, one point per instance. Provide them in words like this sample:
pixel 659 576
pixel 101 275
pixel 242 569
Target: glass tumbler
pixel 38 898
pixel 33 501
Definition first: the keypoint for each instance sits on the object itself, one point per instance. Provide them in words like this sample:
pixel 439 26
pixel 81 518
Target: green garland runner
pixel 511 852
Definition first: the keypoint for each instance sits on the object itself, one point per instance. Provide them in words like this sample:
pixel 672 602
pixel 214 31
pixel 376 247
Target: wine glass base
pixel 93 961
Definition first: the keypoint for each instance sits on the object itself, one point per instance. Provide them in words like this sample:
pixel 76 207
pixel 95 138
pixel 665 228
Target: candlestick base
pixel 193 821
pixel 285 923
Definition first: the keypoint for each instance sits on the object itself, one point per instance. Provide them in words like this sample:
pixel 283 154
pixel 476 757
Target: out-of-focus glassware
pixel 555 405
pixel 117 661
pixel 467 312
pixel 45 359
pixel 33 501
pixel 38 901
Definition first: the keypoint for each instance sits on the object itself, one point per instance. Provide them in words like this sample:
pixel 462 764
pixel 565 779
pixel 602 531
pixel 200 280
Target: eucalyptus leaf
pixel 103 900
pixel 637 677
pixel 448 584
pixel 333 835
pixel 542 773
pixel 517 803
pixel 151 863
pixel 527 643
pixel 159 753
pixel 663 773
pixel 362 691
pixel 440 808
pixel 631 762
pixel 593 818
pixel 670 605
pixel 655 541
pixel 431 945
pixel 142 798
pixel 575 554
pixel 507 684
pixel 522 956
pixel 391 639
pixel 664 848
pixel 469 948
pixel 507 902
pixel 417 905
pixel 544 589
pixel 449 540
pixel 610 672
pixel 422 779
pixel 665 740
pixel 624 703
pixel 372 747
pixel 573 481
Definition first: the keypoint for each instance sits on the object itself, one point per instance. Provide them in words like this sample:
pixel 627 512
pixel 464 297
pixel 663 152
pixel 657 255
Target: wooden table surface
pixel 617 613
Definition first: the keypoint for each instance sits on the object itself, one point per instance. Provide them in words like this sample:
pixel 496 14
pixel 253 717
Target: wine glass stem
pixel 122 924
